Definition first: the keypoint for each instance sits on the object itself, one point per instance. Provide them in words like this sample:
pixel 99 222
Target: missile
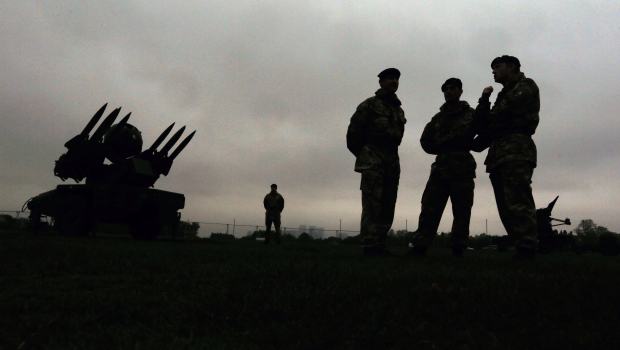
pixel 160 139
pixel 172 141
pixel 93 121
pixel 182 146
pixel 105 125
pixel 552 204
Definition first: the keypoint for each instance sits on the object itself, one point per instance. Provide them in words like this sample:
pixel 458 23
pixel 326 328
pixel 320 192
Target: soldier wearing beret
pixel 274 204
pixel 374 134
pixel 449 135
pixel 507 129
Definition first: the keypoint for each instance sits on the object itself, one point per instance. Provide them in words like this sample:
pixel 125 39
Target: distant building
pixel 316 232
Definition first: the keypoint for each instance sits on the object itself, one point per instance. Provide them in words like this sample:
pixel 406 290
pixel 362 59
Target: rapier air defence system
pixel 116 193
pixel 548 239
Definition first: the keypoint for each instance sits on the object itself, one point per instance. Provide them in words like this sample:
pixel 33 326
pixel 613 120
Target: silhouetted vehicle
pixel 116 193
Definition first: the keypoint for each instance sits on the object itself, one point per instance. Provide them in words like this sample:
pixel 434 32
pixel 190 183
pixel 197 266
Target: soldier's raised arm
pixel 482 121
pixel 481 117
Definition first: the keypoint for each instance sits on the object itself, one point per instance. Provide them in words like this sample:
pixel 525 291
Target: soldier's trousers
pixel 378 204
pixel 513 193
pixel 434 200
pixel 276 223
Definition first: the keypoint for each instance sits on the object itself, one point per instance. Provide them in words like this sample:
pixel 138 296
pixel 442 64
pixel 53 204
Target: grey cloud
pixel 271 86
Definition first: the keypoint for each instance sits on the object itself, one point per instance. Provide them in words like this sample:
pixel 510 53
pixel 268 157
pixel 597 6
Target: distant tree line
pixel 188 229
pixel 395 238
pixel 7 222
pixel 587 236
pixel 221 236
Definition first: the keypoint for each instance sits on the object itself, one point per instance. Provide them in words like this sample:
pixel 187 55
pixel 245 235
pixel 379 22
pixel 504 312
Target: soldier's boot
pixel 376 251
pixel 457 253
pixel 524 254
pixel 417 252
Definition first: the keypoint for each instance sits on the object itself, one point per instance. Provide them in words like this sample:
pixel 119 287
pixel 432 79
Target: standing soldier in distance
pixel 507 129
pixel 374 134
pixel 274 204
pixel 449 135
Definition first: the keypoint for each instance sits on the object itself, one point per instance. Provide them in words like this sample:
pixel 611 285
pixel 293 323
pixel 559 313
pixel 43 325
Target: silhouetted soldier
pixel 274 204
pixel 449 135
pixel 374 134
pixel 508 128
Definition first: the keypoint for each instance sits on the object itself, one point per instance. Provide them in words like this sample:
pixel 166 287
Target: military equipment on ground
pixel 118 193
pixel 548 239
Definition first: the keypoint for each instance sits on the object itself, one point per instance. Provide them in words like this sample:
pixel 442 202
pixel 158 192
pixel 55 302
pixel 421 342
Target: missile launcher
pixel 118 193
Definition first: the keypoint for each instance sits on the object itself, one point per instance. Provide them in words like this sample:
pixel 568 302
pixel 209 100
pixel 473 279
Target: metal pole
pixel 227 228
pixel 486 226
pixel 340 232
pixel 233 227
pixel 406 226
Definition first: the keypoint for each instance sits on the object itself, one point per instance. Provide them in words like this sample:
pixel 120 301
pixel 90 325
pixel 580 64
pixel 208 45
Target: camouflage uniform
pixel 374 134
pixel 449 135
pixel 274 204
pixel 511 160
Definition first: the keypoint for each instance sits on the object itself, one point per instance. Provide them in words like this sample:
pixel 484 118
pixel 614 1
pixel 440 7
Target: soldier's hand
pixel 486 93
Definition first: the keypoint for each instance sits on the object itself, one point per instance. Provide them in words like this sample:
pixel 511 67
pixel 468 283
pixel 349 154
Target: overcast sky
pixel 270 87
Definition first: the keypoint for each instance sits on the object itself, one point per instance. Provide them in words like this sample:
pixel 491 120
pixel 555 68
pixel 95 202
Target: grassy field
pixel 115 293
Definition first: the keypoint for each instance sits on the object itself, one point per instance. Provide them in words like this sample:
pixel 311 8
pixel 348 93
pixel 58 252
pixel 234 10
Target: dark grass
pixel 114 293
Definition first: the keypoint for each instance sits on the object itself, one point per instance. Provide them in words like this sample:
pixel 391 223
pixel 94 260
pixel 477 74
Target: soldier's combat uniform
pixel 374 134
pixel 274 204
pixel 449 135
pixel 511 160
